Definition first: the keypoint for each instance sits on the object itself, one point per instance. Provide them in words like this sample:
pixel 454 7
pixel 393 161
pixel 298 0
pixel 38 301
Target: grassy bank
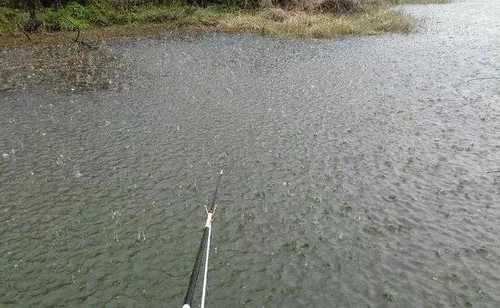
pixel 296 23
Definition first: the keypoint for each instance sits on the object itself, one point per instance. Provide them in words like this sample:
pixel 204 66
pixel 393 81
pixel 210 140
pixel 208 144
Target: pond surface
pixel 359 172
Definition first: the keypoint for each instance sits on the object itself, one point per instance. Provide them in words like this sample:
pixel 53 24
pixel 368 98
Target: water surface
pixel 359 172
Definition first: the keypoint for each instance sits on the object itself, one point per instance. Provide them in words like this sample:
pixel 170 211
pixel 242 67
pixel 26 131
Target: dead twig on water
pixel 24 32
pixel 77 38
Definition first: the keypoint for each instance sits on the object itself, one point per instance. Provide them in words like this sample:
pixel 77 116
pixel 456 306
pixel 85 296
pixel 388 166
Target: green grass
pixel 101 14
pixel 10 19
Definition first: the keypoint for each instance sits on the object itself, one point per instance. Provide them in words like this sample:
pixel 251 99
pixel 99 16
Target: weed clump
pixel 339 6
pixel 274 14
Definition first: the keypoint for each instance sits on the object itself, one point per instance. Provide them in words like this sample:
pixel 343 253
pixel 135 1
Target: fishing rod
pixel 204 249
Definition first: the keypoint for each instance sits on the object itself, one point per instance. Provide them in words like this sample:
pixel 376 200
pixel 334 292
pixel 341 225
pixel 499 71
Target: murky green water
pixel 360 172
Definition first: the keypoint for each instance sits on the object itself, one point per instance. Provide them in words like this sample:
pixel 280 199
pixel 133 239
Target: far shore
pixel 95 23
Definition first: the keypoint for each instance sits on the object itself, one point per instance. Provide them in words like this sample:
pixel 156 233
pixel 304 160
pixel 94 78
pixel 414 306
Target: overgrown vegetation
pixel 315 18
pixel 318 25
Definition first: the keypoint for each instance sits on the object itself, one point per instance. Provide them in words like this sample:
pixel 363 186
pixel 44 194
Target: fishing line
pixel 203 250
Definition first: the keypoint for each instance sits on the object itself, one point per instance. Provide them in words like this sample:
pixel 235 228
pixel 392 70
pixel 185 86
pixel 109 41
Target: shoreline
pixel 57 58
pixel 272 21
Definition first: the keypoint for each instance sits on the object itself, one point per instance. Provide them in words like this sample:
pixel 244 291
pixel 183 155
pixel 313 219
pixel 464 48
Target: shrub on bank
pixel 11 19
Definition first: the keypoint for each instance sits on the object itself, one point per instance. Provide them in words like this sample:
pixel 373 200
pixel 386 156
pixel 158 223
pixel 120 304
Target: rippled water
pixel 360 172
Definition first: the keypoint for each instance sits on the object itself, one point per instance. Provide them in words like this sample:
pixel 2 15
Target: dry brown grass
pixel 317 25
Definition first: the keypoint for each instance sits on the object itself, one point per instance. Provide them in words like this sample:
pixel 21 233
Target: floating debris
pixel 388 297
